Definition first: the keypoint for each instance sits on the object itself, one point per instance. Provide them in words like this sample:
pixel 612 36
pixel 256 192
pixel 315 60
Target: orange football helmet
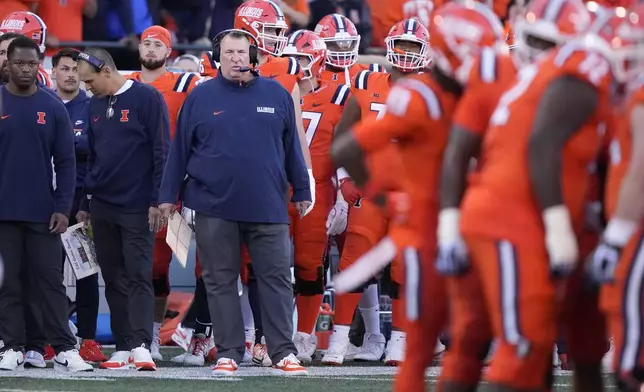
pixel 408 46
pixel 341 38
pixel 459 31
pixel 546 24
pixel 28 24
pixel 266 22
pixel 305 43
pixel 618 35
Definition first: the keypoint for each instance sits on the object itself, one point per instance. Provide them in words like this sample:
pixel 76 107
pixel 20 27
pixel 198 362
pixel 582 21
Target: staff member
pixel 34 132
pixel 244 126
pixel 128 139
pixel 65 72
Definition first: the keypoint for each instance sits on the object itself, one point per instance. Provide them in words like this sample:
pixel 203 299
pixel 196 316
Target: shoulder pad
pixel 341 94
pixel 184 81
pixel 361 80
pixel 293 66
pixel 375 67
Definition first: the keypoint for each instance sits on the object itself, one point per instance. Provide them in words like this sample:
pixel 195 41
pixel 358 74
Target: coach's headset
pixel 252 50
pixel 95 62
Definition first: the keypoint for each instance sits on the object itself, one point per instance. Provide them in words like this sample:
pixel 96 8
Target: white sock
pixel 247 312
pixel 341 330
pixel 369 306
pixel 156 329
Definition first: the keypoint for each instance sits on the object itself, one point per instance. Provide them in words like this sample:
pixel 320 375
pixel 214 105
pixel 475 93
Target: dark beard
pixel 152 64
pixel 4 74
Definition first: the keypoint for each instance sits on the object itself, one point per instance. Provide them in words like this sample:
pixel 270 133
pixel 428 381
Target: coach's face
pixel 234 55
pixel 96 82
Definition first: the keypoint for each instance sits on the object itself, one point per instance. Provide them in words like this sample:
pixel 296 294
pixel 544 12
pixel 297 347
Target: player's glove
pixel 350 192
pixel 452 257
pixel 601 264
pixel 561 242
pixel 312 189
pixel 336 221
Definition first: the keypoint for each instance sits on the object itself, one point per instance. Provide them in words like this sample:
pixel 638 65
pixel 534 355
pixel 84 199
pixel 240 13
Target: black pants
pixel 30 245
pixel 124 246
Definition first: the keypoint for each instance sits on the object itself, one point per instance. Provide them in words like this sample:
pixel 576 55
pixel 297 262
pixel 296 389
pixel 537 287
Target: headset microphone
pixel 244 69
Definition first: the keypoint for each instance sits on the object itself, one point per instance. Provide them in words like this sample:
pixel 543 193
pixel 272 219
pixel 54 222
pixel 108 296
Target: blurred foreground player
pixel 35 132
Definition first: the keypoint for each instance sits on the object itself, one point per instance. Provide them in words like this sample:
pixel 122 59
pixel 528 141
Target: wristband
pixel 448 230
pixel 556 219
pixel 619 231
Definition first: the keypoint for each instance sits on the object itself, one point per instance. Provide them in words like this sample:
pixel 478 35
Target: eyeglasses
pixel 110 109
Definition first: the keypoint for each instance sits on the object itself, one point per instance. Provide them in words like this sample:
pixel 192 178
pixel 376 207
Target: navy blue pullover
pixel 127 151
pixel 78 109
pixel 33 131
pixel 239 146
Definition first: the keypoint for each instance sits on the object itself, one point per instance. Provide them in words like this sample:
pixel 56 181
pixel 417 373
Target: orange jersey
pixel 175 88
pixel 499 202
pixel 347 76
pixel 418 116
pixel 620 149
pixel 285 70
pixel 384 14
pixel 491 74
pixel 43 78
pixel 321 112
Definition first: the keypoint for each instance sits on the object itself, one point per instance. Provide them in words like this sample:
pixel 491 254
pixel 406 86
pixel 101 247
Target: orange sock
pixel 308 308
pixel 345 306
pixel 398 315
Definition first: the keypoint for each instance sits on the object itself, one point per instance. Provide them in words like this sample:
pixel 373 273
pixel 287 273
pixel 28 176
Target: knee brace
pixel 310 288
pixel 161 286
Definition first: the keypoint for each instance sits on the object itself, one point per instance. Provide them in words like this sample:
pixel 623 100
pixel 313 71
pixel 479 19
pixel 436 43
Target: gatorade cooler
pixel 324 326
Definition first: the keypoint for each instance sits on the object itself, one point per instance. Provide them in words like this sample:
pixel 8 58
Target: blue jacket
pixel 33 131
pixel 78 109
pixel 127 151
pixel 239 146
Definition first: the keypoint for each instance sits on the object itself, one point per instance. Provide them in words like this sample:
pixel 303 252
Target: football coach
pixel 237 142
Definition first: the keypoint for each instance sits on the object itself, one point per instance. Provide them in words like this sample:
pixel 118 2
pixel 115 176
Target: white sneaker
pixel 607 361
pixel 12 360
pixel 155 348
pixel 260 354
pixel 395 350
pixel 34 359
pixel 290 366
pixel 1 343
pixel 352 351
pixel 373 348
pixel 120 360
pixel 182 336
pixel 225 367
pixel 250 340
pixel 197 352
pixel 337 351
pixel 71 361
pixel 305 345
pixel 142 359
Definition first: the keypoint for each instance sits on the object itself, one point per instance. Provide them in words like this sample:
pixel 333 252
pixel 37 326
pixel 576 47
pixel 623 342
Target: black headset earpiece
pixel 252 51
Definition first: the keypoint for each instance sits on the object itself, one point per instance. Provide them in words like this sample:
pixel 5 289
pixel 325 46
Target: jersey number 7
pixel 312 126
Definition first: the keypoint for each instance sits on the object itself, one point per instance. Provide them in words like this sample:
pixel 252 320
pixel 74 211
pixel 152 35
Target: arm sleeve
pixel 158 125
pixel 177 163
pixel 296 172
pixel 64 161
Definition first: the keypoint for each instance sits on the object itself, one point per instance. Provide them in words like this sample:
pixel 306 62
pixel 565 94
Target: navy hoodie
pixel 239 146
pixel 78 109
pixel 33 131
pixel 127 151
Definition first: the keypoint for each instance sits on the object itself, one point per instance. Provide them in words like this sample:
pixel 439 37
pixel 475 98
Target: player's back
pixel 321 111
pixel 499 201
pixel 346 76
pixel 491 73
pixel 174 87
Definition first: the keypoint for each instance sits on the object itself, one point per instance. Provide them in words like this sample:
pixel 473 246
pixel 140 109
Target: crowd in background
pixel 190 21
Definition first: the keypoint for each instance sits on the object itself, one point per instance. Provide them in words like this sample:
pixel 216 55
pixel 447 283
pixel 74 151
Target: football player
pixel 491 73
pixel 408 53
pixel 154 50
pixel 418 116
pixel 31 26
pixel 617 262
pixel 342 42
pixel 322 105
